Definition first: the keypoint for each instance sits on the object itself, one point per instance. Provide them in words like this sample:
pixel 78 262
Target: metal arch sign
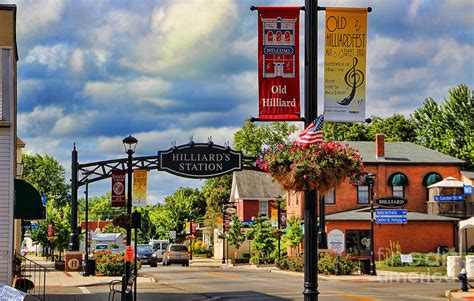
pixel 199 160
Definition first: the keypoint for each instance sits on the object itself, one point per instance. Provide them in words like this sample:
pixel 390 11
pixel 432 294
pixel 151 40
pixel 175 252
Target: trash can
pixel 364 266
pixel 91 267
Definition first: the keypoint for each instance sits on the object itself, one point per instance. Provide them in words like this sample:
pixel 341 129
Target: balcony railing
pixel 30 277
pixel 454 209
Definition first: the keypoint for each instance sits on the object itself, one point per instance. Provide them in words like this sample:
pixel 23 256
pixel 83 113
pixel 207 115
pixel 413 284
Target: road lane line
pixel 356 297
pixel 84 290
pixel 224 275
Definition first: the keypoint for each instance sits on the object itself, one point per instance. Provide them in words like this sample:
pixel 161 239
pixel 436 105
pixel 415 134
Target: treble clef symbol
pixel 357 79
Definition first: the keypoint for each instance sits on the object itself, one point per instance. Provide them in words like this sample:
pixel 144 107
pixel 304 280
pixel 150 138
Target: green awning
pixel 397 179
pixel 431 178
pixel 28 204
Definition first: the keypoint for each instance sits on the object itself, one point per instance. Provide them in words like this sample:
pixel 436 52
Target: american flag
pixel 313 133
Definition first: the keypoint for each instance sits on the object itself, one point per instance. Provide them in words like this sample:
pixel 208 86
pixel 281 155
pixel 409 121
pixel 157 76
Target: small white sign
pixel 172 234
pixel 10 294
pixel 406 258
pixel 336 241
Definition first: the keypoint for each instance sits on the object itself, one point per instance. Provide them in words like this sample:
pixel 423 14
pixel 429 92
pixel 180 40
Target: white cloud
pixel 413 9
pixel 184 37
pixel 53 57
pixel 39 121
pixel 35 17
pixel 77 61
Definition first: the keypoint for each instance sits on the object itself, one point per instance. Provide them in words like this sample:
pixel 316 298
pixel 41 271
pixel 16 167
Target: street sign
pixel 172 234
pixel 391 216
pixel 43 199
pixel 449 198
pixel 32 227
pixel 467 189
pixel 391 201
pixel 129 253
pixel 199 160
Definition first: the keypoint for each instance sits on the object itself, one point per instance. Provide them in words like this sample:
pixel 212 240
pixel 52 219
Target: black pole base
pixel 310 292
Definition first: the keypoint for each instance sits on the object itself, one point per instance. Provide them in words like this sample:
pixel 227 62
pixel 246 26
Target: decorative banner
pixel 188 228
pixel 219 222
pixel 139 187
pixel 274 217
pixel 278 63
pixel 344 64
pixel 118 188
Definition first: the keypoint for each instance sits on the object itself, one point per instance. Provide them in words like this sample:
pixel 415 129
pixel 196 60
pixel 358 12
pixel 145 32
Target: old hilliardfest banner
pixel 278 63
pixel 139 187
pixel 118 188
pixel 344 64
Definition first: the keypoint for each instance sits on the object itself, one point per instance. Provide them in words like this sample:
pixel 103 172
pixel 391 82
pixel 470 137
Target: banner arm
pixel 256 119
pixel 254 8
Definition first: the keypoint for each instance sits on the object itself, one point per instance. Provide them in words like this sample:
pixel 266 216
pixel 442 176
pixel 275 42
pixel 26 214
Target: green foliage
pixel 250 138
pixel 216 192
pixel 328 261
pixel 419 260
pixel 448 127
pixel 263 244
pixel 292 263
pixel 200 248
pixel 294 233
pixel 236 235
pixel 395 128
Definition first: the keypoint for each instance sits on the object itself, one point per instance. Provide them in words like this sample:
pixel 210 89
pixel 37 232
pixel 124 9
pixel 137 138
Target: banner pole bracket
pixel 256 119
pixel 254 8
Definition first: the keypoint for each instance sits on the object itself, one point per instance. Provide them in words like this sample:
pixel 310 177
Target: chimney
pixel 379 147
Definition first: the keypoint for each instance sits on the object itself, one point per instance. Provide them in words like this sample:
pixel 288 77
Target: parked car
pixel 159 247
pixel 176 253
pixel 118 251
pixel 146 255
pixel 100 247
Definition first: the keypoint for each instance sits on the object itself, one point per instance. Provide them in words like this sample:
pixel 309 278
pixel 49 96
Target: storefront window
pixel 358 242
pixel 398 191
pixel 362 194
pixel 330 197
pixel 263 209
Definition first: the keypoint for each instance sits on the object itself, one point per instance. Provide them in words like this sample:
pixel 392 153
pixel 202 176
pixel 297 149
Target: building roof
pixel 401 152
pixel 363 214
pixel 254 185
pixel 449 182
pixel 468 174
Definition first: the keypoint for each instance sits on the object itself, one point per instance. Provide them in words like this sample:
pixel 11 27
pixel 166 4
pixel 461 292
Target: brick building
pixel 402 169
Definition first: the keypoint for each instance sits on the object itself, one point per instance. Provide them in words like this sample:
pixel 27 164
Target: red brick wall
pixel 415 192
pixel 413 237
pixel 94 225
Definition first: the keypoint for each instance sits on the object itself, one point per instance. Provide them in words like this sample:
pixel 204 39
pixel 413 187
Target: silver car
pixel 176 253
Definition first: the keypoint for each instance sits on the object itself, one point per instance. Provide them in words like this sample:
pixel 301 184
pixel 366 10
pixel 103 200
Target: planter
pixel 320 167
pixel 59 265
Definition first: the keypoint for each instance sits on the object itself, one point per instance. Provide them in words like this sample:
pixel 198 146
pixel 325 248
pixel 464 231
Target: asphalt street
pixel 209 283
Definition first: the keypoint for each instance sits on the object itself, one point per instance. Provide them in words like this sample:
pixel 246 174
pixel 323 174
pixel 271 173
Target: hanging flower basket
pixel 320 167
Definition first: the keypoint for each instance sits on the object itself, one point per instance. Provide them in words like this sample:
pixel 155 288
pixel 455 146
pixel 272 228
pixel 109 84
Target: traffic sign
pixel 449 198
pixel 390 212
pixel 129 253
pixel 391 201
pixel 172 234
pixel 467 189
pixel 391 220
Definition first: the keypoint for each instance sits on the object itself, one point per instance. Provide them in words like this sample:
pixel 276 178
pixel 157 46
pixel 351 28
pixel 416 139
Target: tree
pixel 395 128
pixel 250 138
pixel 236 234
pixel 216 192
pixel 263 245
pixel 294 234
pixel 345 131
pixel 447 127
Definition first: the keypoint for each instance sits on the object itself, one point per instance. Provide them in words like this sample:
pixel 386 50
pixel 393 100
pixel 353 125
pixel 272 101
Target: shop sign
pixel 230 210
pixel 336 241
pixel 391 201
pixel 199 160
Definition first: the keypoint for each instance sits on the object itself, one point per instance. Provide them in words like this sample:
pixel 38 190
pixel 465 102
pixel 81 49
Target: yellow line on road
pixel 355 297
pixel 224 275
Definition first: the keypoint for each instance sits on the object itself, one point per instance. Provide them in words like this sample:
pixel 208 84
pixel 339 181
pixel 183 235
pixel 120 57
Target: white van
pixel 159 247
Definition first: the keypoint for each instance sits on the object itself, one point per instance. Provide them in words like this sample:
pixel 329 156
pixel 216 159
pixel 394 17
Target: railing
pixel 30 277
pixel 454 209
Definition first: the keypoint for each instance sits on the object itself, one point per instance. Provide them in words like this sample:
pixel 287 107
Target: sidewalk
pixel 55 278
pixel 458 294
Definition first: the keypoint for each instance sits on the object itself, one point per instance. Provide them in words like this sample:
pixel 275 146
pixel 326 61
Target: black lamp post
pixel 278 225
pixel 86 256
pixel 370 180
pixel 223 234
pixel 129 143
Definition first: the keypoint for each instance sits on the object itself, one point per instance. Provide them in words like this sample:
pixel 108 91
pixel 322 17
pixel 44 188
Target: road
pixel 213 283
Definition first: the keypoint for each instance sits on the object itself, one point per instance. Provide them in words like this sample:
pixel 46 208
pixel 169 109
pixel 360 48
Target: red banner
pixel 118 188
pixel 278 63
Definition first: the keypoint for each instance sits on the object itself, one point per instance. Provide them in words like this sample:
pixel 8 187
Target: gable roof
pixel 254 185
pixel 401 153
pixel 363 214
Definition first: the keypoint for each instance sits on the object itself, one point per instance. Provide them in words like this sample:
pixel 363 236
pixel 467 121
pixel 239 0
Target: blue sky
pixel 92 71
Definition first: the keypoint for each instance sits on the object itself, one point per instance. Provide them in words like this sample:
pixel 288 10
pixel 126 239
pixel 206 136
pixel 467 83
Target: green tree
pixel 294 234
pixel 395 128
pixel 345 131
pixel 250 138
pixel 216 192
pixel 236 234
pixel 448 127
pixel 264 241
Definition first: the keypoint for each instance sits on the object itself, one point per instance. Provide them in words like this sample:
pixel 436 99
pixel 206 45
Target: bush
pixel 110 264
pixel 419 260
pixel 292 263
pixel 328 261
pixel 200 248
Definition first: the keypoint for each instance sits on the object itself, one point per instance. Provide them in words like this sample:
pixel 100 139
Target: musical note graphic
pixel 357 79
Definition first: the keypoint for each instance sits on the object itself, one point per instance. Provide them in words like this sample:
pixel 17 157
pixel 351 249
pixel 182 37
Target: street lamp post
pixel 129 143
pixel 278 225
pixel 86 257
pixel 223 234
pixel 370 179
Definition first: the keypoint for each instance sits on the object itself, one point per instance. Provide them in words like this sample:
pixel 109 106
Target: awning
pixel 28 204
pixel 431 178
pixel 398 179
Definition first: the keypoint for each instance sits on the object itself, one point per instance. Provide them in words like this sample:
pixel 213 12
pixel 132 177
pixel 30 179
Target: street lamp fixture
pixel 369 179
pixel 130 143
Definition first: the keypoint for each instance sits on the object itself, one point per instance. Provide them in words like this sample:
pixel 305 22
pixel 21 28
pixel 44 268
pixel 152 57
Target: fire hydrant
pixel 463 278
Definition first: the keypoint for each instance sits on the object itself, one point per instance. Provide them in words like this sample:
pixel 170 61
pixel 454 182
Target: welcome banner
pixel 118 188
pixel 344 64
pixel 139 187
pixel 278 63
